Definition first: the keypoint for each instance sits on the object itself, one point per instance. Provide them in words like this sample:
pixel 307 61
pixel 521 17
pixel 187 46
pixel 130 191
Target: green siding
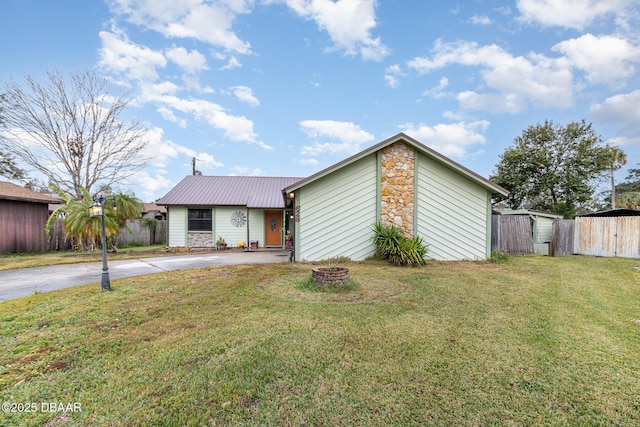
pixel 452 212
pixel 256 226
pixel 177 226
pixel 542 229
pixel 222 225
pixel 337 212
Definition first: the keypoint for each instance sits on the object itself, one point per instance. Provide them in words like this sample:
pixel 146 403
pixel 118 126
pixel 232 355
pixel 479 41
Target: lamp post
pixel 97 209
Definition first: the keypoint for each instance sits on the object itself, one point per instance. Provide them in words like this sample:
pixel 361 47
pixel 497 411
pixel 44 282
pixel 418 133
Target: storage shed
pixel 23 215
pixel 541 224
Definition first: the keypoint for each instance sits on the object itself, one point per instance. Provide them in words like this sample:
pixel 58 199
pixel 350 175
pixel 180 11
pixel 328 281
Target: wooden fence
pixel 562 237
pixel 608 237
pixel 597 236
pixel 142 232
pixel 511 234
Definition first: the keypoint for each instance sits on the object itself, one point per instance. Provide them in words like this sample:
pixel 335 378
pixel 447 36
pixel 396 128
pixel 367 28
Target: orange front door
pixel 274 228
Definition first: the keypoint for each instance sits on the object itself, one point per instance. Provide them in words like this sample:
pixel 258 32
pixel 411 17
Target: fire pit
pixel 327 275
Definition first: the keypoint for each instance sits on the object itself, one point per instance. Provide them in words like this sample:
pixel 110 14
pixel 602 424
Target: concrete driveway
pixel 25 281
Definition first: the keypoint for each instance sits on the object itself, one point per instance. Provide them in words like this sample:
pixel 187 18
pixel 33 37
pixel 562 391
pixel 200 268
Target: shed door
pixel 274 228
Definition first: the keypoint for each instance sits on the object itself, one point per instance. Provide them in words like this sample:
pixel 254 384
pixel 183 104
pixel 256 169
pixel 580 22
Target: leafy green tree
pixel 553 168
pixel 617 159
pixel 9 169
pixel 628 192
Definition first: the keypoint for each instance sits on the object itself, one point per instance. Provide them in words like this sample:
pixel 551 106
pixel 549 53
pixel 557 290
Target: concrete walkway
pixel 25 281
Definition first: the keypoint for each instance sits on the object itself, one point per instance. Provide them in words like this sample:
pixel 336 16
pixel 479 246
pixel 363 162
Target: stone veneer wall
pixel 200 240
pixel 397 192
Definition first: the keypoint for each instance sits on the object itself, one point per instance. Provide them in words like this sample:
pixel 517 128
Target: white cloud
pixel 160 150
pixel 576 14
pixel 236 128
pixel 308 161
pixel 243 170
pixel 542 81
pixel 151 185
pixel 604 59
pixel 192 62
pixel 449 139
pixel 168 114
pixel 245 94
pixel 391 75
pixel 345 137
pixel 481 20
pixel 205 161
pixel 208 22
pixel 231 64
pixel 123 57
pixel 619 108
pixel 348 23
pixel 437 92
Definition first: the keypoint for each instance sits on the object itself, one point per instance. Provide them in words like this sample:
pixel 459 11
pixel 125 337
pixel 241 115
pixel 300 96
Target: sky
pixel 290 87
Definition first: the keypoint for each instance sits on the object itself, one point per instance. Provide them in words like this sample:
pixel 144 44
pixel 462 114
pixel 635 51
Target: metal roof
pixel 249 191
pixel 613 212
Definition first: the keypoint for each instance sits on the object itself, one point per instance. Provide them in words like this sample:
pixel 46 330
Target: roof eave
pixel 494 188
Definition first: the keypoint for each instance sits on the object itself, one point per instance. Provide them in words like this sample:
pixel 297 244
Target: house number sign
pixel 298 213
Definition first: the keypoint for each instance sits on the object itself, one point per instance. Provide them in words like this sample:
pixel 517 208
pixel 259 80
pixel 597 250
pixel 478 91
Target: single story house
pixel 154 211
pixel 23 215
pixel 398 181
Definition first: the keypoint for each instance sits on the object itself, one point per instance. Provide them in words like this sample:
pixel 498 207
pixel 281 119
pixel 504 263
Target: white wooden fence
pixel 608 237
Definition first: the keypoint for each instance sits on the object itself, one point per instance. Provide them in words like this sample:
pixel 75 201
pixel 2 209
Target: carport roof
pixel 249 191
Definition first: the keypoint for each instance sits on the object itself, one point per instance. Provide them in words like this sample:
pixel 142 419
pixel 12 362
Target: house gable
pixel 413 188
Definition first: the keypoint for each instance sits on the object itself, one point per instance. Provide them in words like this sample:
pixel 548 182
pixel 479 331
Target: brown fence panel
pixel 141 233
pixel 562 236
pixel 135 231
pixel 495 233
pixel 160 235
pixel 512 234
pixel 58 241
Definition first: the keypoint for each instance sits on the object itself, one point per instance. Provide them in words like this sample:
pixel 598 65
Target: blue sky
pixel 289 87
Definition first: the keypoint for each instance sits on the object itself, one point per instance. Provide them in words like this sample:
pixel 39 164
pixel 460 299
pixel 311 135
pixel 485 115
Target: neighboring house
pixel 541 224
pixel 331 213
pixel 154 211
pixel 23 215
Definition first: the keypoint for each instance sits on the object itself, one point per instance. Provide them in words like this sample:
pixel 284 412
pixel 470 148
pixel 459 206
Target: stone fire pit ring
pixel 330 275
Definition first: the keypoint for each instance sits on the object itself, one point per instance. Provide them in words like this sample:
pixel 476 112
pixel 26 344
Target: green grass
pixel 528 341
pixel 10 261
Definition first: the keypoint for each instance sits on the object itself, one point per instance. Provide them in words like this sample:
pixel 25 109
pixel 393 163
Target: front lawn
pixel 527 342
pixel 11 261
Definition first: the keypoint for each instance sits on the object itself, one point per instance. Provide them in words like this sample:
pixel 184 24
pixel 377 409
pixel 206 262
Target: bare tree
pixel 72 133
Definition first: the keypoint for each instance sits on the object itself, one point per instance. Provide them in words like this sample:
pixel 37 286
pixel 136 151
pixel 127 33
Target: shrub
pixel 498 257
pixel 392 245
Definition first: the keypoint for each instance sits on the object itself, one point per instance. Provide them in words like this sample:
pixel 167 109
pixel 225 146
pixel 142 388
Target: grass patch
pixel 309 284
pixel 527 341
pixel 11 261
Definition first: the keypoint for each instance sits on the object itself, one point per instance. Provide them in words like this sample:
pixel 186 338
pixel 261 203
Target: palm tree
pixel 85 229
pixel 618 159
